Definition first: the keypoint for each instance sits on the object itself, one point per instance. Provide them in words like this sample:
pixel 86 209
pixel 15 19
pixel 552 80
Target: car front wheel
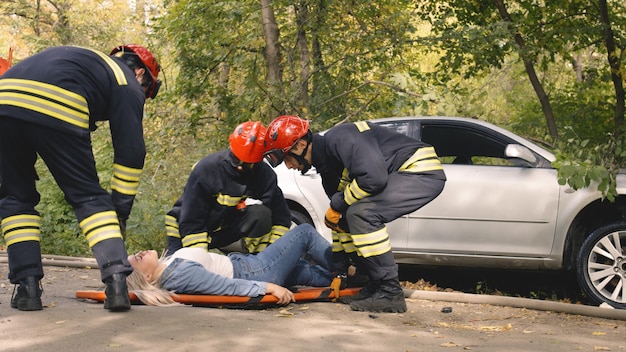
pixel 601 265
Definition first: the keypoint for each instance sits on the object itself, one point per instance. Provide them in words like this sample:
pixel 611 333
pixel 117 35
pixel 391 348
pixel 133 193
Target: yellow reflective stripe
pixel 336 243
pixel 279 230
pixel 362 126
pixel 22 220
pixel 424 159
pixel 373 243
pixel 198 240
pixel 46 99
pixel 101 226
pixel 354 193
pixel 97 220
pixel 171 221
pixel 258 244
pixel 342 242
pixel 22 236
pixel 126 173
pixel 226 200
pixel 125 179
pixel 117 70
pixel 424 165
pixel 21 228
pixel 69 98
pixel 103 233
pixel 344 181
pixel 171 226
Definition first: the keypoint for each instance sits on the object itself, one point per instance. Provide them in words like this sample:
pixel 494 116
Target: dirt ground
pixel 69 324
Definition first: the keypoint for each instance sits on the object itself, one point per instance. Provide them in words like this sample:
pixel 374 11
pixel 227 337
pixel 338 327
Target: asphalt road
pixel 69 324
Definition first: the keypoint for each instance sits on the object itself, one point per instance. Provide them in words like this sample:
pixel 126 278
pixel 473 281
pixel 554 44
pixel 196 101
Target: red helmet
pixel 247 142
pixel 284 131
pixel 148 60
pixel 282 134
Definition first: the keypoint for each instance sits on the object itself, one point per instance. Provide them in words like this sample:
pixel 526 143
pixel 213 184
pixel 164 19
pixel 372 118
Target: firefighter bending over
pixel 49 104
pixel 372 176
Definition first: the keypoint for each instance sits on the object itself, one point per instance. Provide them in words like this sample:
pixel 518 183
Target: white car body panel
pixel 487 215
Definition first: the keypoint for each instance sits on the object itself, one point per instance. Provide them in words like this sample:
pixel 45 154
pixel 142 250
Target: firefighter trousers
pixel 70 159
pixel 253 222
pixel 366 220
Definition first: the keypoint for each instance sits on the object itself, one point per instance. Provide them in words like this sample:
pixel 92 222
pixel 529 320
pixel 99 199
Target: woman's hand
pixel 284 295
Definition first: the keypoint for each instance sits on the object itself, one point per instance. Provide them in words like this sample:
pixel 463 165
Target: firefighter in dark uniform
pixel 49 103
pixel 213 211
pixel 372 176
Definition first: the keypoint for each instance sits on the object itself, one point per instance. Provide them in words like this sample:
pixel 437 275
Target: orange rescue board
pixel 301 295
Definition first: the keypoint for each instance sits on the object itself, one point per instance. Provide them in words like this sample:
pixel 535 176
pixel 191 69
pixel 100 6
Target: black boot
pixel 366 292
pixel 117 293
pixel 28 295
pixel 389 298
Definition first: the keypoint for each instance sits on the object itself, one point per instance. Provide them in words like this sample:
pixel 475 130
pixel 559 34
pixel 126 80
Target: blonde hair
pixel 149 293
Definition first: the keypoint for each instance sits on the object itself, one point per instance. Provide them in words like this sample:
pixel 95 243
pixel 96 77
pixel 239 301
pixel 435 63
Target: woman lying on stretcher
pixel 196 271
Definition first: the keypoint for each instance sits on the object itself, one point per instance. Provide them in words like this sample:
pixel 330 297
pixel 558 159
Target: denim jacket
pixel 186 276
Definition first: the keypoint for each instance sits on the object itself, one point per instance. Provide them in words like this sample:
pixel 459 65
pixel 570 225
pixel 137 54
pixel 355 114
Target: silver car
pixel 501 207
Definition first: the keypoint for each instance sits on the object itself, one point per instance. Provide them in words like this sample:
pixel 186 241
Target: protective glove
pixel 331 220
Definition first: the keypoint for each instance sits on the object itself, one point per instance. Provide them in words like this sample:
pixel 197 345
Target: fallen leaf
pixel 601 348
pixel 285 311
pixel 449 344
pixel 598 333
pixel 506 327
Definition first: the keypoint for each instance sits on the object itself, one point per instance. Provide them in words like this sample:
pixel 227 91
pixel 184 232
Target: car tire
pixel 299 218
pixel 601 265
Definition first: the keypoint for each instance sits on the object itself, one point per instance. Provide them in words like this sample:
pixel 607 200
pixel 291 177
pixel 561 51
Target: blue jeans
pixel 283 262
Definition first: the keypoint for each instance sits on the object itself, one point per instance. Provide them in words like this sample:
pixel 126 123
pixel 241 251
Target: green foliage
pixel 581 164
pixel 355 49
pixel 365 60
pixel 60 233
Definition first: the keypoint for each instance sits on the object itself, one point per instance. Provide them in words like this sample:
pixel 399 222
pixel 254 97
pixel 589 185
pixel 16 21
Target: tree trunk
pixel 62 26
pixel 272 55
pixel 223 82
pixel 530 71
pixel 615 65
pixel 302 17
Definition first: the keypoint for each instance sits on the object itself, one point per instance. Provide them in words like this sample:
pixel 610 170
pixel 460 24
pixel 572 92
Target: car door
pixel 490 205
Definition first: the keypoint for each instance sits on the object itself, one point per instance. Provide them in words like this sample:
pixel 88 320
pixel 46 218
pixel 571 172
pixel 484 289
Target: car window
pixel 465 145
pixel 401 126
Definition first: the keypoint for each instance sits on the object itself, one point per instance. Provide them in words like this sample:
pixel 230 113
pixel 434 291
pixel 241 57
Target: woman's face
pixel 144 261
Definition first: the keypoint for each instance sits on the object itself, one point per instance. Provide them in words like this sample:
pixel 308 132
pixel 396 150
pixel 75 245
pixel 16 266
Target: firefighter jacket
pixel 355 160
pixel 69 89
pixel 215 187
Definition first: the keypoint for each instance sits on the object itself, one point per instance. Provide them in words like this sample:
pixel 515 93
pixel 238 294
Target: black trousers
pixel 405 193
pixel 254 221
pixel 71 162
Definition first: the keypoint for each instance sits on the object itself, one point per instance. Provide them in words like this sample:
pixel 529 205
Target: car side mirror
pixel 517 151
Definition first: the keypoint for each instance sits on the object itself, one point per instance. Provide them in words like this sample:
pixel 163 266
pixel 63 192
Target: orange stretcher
pixel 310 294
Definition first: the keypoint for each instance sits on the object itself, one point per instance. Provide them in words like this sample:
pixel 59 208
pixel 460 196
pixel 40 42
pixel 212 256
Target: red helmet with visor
pixel 282 134
pixel 148 61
